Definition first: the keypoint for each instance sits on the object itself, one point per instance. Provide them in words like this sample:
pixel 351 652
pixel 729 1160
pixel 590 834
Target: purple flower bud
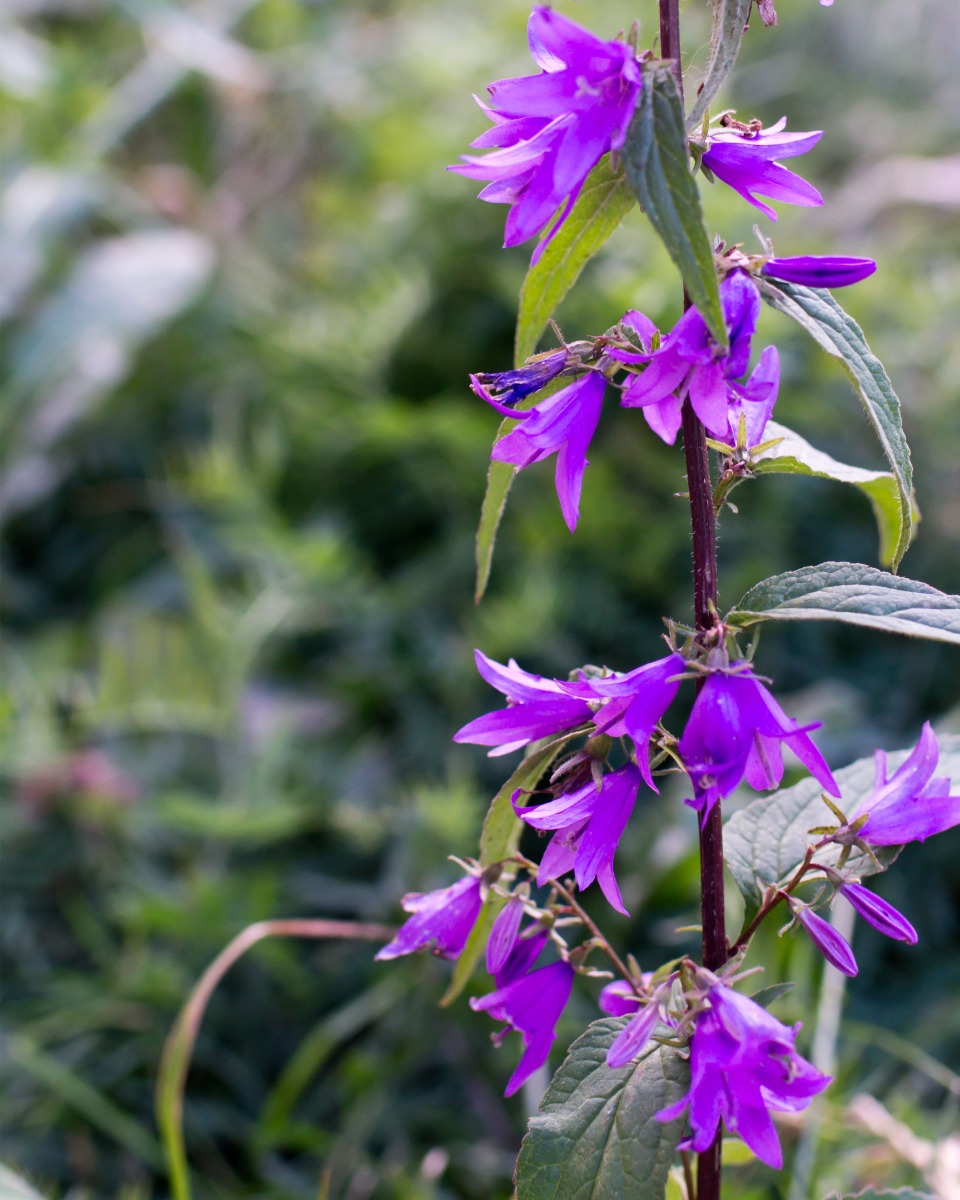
pixel 832 945
pixel 618 999
pixel 879 913
pixel 822 271
pixel 445 917
pixel 633 1037
pixel 503 935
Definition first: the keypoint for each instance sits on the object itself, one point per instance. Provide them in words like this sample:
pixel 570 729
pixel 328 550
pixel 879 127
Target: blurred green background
pixel 242 471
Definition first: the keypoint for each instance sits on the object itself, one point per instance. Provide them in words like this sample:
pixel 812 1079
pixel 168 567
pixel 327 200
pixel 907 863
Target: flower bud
pixel 832 945
pixel 879 913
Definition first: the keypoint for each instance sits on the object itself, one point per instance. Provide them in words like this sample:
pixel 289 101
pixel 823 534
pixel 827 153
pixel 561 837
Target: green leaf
pixel 499 839
pixel 766 841
pixel 822 317
pixel 604 201
pixel 772 993
pixel 856 595
pixel 596 1136
pixel 793 455
pixel 500 478
pixel 885 1194
pixel 657 162
pixel 729 22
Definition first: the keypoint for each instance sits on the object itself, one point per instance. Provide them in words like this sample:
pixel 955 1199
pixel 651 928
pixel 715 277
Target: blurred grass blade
pixel 729 22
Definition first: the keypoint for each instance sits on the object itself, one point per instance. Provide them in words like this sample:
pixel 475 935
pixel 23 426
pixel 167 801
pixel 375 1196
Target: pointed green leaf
pixel 657 161
pixel 499 839
pixel 793 455
pixel 729 22
pixel 604 201
pixel 499 481
pixel 886 1194
pixel 836 332
pixel 856 595
pixel 596 1136
pixel 766 841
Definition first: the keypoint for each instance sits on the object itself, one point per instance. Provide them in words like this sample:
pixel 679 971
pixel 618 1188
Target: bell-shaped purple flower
pixel 688 365
pixel 743 1064
pixel 531 1005
pixel 737 731
pixel 503 390
pixel 832 945
pixel 745 159
pixel 878 913
pixel 819 271
pixel 550 130
pixel 561 424
pixel 911 805
pixel 588 823
pixel 537 708
pixel 444 918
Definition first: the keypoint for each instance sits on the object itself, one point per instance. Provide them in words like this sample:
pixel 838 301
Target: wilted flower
pixel 550 130
pixel 878 913
pixel 513 386
pixel 688 365
pixel 742 1065
pixel 444 917
pixel 821 271
pixel 832 945
pixel 744 157
pixel 588 823
pixel 737 731
pixel 531 1005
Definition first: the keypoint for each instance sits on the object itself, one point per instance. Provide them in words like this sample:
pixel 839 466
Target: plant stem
pixel 703 523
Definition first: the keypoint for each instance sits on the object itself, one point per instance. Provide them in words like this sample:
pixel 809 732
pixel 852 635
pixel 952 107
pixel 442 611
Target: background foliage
pixel 241 476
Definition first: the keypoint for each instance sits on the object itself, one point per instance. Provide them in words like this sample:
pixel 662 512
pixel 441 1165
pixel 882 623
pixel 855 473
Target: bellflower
pixel 530 1004
pixel 745 159
pixel 743 1064
pixel 561 424
pixel 832 945
pixel 911 805
pixel 536 708
pixel 737 731
pixel 877 912
pixel 588 824
pixel 444 917
pixel 550 130
pixel 819 271
pixel 513 386
pixel 688 365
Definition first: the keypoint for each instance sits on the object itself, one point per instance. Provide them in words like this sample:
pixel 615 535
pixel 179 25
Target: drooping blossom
pixel 737 731
pixel 689 365
pixel 832 945
pixel 879 913
pixel 911 805
pixel 819 271
pixel 503 390
pixel 588 823
pixel 550 130
pixel 530 1004
pixel 561 424
pixel 743 1064
pixel 510 951
pixel 443 917
pixel 537 708
pixel 745 158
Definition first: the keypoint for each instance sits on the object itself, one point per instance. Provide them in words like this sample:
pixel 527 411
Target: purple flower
pixel 822 271
pixel 532 1006
pixel 635 702
pixel 742 1065
pixel 444 917
pixel 736 731
pixel 634 1036
pixel 688 365
pixel 588 824
pixel 911 805
pixel 618 999
pixel 514 386
pixel 832 945
pixel 550 130
pixel 561 424
pixel 878 913
pixel 745 160
pixel 537 708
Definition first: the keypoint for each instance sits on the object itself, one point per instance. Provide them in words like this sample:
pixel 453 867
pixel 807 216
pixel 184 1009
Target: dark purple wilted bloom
pixel 635 702
pixel 513 386
pixel 688 365
pixel 820 271
pixel 832 945
pixel 550 130
pixel 746 161
pixel 878 913
pixel 911 805
pixel 532 1006
pixel 537 708
pixel 588 824
pixel 737 731
pixel 562 424
pixel 742 1065
pixel 444 917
